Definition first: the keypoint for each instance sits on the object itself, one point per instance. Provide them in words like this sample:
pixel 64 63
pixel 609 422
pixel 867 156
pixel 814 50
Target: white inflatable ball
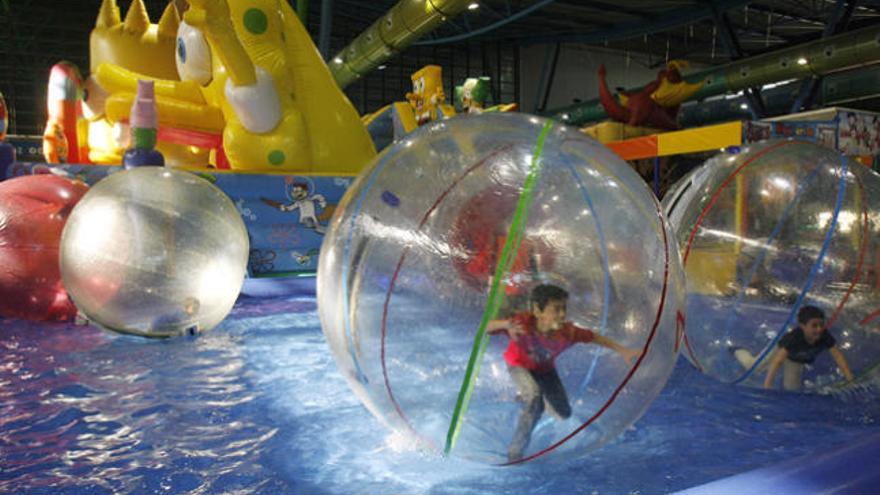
pixel 154 252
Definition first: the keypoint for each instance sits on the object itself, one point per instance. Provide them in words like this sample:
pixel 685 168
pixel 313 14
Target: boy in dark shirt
pixel 801 346
pixel 798 347
pixel 536 339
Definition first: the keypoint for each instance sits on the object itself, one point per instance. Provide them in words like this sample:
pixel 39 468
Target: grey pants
pixel 535 390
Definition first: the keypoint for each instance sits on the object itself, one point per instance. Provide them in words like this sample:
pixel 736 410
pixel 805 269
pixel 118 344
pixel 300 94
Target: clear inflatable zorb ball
pixel 765 232
pixel 453 228
pixel 155 252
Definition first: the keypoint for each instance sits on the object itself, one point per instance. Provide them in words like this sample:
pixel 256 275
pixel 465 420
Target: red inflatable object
pixel 641 109
pixel 480 230
pixel 33 210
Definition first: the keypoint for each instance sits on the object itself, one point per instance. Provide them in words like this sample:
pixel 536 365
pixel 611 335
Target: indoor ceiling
pixel 689 29
pixel 39 33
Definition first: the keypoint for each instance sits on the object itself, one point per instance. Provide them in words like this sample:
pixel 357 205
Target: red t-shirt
pixel 537 352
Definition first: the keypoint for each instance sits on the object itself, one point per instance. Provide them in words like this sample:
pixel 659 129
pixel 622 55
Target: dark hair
pixel 545 293
pixel 807 313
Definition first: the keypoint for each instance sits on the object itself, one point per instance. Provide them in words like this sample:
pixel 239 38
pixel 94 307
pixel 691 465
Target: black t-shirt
pixel 799 350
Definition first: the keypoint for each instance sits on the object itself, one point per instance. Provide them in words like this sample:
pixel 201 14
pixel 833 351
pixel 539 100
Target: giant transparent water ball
pixel 154 252
pixel 453 227
pixel 764 232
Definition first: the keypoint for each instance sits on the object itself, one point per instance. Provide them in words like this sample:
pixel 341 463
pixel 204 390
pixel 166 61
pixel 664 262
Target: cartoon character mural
pixel 655 105
pixel 280 244
pixel 250 72
pixel 312 206
pixel 306 258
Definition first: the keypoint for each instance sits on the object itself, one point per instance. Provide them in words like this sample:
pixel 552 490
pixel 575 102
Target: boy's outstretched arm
pixel 840 359
pixel 628 355
pixel 778 358
pixel 497 326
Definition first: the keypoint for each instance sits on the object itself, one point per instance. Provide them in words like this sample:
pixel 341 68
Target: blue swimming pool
pixel 257 406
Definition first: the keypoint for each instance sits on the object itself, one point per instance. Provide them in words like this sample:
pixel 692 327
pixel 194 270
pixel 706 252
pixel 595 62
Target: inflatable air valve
pixel 144 127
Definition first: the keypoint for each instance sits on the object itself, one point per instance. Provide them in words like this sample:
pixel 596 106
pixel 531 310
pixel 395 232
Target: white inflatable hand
pixel 257 106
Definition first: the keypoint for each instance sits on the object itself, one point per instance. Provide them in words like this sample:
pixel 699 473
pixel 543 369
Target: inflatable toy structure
pixel 255 97
pixel 425 103
pixel 7 151
pixel 147 49
pixel 250 74
pixel 65 138
pixel 472 95
pixel 656 105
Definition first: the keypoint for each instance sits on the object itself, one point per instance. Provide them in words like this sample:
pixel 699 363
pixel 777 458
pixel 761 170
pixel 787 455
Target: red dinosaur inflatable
pixel 655 105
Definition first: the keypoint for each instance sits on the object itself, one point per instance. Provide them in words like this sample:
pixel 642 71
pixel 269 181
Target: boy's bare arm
pixel 497 326
pixel 778 358
pixel 840 359
pixel 626 353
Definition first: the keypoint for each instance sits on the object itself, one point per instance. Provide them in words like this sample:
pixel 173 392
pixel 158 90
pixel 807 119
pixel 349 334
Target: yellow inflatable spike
pixel 108 16
pixel 137 20
pixel 169 22
pixel 147 53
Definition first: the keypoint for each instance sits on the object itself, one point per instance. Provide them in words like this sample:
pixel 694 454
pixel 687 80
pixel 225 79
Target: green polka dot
pixel 255 21
pixel 276 157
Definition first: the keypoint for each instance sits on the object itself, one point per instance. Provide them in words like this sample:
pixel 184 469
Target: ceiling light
pixel 802 61
pixel 473 6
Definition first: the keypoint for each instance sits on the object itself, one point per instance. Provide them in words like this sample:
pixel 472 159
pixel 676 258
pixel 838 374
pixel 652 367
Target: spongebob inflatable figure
pixel 249 71
pixel 428 101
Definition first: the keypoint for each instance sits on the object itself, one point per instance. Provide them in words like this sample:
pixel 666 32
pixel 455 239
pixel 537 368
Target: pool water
pixel 257 406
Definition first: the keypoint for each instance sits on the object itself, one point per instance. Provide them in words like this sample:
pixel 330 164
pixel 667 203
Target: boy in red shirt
pixel 536 339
